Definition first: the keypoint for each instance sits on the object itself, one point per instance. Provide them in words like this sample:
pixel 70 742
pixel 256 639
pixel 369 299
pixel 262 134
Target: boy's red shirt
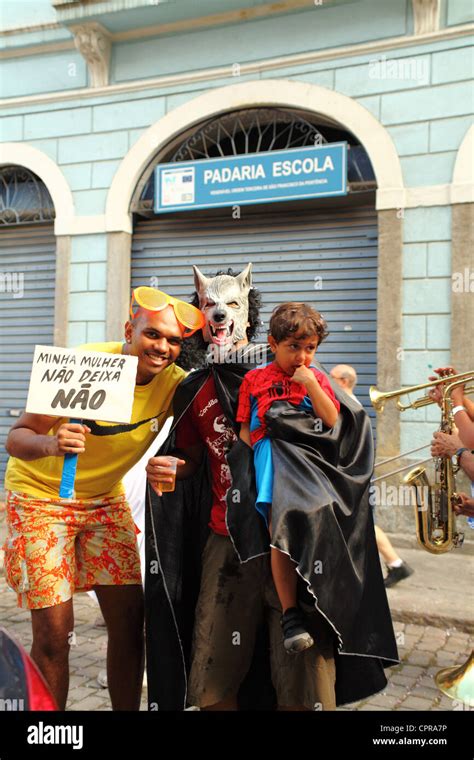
pixel 264 385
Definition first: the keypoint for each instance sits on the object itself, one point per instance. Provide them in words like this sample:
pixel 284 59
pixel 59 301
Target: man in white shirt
pixel 397 569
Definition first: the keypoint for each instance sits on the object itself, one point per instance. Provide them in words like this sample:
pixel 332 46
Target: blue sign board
pixel 280 175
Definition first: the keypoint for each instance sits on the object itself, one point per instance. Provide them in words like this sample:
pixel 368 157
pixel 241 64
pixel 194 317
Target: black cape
pixel 321 517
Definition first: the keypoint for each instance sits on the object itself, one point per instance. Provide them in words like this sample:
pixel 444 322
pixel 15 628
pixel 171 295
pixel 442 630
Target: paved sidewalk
pixel 439 593
pixel 433 612
pixel 87 655
pixel 423 651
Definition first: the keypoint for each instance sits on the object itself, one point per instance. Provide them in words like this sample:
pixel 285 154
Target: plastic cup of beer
pixel 165 486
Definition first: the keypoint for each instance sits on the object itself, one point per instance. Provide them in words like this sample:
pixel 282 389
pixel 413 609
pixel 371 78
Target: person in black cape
pixel 328 470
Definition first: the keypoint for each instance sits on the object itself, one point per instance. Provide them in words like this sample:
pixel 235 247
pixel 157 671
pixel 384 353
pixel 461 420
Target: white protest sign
pixel 90 385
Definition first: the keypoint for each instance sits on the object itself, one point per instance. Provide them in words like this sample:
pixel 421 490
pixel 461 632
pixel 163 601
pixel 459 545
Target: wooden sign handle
pixel 66 489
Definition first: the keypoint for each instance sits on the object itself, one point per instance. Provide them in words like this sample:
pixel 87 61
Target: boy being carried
pixel 296 330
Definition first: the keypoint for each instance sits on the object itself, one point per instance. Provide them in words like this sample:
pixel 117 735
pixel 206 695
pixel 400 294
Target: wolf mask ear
pixel 245 278
pixel 201 282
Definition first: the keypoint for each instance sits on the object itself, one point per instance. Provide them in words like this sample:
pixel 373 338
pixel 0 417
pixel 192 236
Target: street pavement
pixel 433 613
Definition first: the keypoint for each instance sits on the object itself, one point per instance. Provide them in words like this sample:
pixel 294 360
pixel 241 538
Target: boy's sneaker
pixel 396 574
pixel 295 636
pixel 102 679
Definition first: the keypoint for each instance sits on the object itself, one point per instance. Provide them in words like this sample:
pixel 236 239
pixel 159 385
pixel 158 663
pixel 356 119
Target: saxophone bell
pixel 435 518
pixel 458 682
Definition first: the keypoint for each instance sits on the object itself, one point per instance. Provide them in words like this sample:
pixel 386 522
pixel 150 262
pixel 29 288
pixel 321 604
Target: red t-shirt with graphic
pixel 205 422
pixel 264 385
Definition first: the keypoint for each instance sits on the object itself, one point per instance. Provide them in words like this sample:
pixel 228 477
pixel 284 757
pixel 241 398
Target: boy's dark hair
pixel 294 318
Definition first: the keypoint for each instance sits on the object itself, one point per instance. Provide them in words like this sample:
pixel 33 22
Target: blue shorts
pixel 263 461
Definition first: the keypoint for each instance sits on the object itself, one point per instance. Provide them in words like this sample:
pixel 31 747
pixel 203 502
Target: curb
pixel 437 621
pixel 408 541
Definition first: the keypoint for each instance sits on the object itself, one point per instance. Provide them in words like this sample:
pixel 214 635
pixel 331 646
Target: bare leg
pixel 122 608
pixel 284 573
pixel 227 704
pixel 285 578
pixel 385 547
pixel 52 627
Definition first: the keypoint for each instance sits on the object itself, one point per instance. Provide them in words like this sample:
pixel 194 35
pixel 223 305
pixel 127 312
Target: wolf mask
pixel 225 305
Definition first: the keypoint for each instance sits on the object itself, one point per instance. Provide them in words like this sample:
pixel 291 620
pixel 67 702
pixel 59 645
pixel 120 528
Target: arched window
pixel 24 198
pixel 258 130
pixel 27 286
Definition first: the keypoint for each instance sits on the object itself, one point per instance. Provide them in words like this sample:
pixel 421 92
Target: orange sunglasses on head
pixel 156 300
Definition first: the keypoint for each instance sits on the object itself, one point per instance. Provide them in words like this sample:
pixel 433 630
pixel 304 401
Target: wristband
pixel 459 454
pixel 458 409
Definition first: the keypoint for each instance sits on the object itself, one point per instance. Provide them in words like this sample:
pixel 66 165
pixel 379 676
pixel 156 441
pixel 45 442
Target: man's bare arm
pixel 469 407
pixel 28 437
pixel 158 469
pixel 467 464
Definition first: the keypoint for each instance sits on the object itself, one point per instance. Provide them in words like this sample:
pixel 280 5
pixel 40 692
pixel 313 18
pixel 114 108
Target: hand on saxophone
pixel 445 444
pixel 465 505
pixel 436 393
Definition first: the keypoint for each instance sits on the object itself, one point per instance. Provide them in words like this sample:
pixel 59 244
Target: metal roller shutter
pixel 288 251
pixel 25 321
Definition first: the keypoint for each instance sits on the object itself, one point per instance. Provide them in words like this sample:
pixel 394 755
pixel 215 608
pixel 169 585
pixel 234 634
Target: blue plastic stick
pixel 66 489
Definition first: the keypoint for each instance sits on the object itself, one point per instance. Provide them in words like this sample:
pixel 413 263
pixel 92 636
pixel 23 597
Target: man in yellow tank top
pixel 58 546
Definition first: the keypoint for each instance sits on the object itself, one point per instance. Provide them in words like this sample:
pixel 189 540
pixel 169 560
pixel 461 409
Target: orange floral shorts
pixel 56 547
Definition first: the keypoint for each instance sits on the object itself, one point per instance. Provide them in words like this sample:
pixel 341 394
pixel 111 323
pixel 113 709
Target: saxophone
pixel 435 518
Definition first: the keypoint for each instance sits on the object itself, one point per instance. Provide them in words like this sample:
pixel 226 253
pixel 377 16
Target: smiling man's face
pixel 156 338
